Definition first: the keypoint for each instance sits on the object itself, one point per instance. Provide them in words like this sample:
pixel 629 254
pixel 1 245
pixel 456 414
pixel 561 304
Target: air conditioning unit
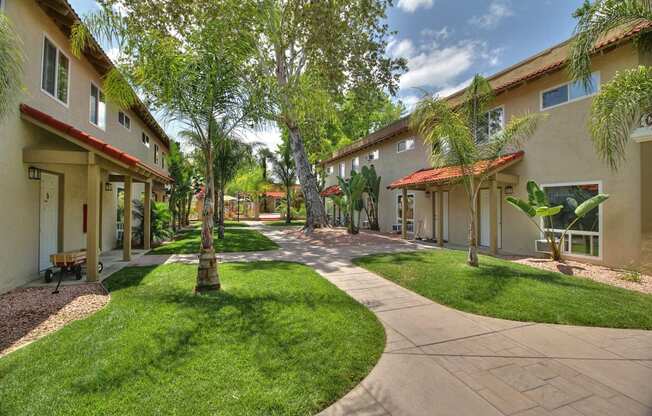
pixel 543 246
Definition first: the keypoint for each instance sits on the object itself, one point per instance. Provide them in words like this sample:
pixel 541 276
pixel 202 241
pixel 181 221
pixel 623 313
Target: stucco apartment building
pixel 67 153
pixel 560 156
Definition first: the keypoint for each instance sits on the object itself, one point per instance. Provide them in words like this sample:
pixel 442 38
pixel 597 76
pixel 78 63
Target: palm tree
pixel 621 103
pixel 461 135
pixel 283 168
pixel 11 66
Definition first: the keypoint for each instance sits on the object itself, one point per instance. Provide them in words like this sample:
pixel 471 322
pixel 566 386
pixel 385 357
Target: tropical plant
pixel 621 103
pixel 250 182
pixel 320 49
pixel 464 135
pixel 11 66
pixel 181 189
pixel 283 169
pixel 538 206
pixel 372 189
pixel 160 221
pixel 292 210
pixel 351 199
pixel 192 60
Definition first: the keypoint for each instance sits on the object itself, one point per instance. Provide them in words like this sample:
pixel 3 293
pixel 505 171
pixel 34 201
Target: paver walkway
pixel 440 361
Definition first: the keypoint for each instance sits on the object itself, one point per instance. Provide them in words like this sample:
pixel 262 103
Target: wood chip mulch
pixel 27 314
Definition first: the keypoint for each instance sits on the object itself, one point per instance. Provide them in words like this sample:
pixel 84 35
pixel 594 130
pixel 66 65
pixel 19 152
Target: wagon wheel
pixel 78 271
pixel 48 276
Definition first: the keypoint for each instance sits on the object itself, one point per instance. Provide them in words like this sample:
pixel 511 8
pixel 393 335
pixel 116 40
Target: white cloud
pixel 437 67
pixel 410 101
pixel 498 10
pixel 403 48
pixel 441 34
pixel 269 136
pixel 411 6
pixel 450 90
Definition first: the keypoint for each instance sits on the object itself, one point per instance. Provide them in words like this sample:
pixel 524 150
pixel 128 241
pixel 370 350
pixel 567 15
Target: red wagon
pixel 69 262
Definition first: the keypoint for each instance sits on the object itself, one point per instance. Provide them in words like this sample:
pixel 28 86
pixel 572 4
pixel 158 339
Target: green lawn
pixel 282 223
pixel 235 240
pixel 278 340
pixel 227 224
pixel 504 289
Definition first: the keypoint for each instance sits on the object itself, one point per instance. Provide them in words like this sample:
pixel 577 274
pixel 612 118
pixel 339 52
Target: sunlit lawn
pixel 278 340
pixel 504 289
pixel 235 240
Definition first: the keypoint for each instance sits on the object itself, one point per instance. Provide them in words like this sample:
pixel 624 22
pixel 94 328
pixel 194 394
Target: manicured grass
pixel 283 224
pixel 227 224
pixel 235 240
pixel 504 289
pixel 278 340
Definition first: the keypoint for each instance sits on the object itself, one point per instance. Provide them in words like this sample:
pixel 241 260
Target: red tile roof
pixel 332 190
pixel 275 194
pixel 451 173
pixel 103 147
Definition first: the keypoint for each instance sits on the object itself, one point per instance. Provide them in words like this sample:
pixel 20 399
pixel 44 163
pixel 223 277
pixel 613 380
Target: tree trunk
pixel 315 211
pixel 187 210
pixel 472 259
pixel 288 216
pixel 220 209
pixel 207 278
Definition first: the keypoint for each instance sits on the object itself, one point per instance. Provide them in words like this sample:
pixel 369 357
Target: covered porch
pixel 438 184
pixel 79 179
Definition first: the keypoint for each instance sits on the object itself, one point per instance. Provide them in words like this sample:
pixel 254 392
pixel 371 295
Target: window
pixel 375 155
pixel 410 211
pixel 330 170
pixel 145 139
pixel 55 72
pixel 98 107
pixel 163 160
pixel 155 153
pixel 491 122
pixel 2 5
pixel 584 238
pixel 355 164
pixel 404 145
pixel 124 120
pixel 342 170
pixel 569 92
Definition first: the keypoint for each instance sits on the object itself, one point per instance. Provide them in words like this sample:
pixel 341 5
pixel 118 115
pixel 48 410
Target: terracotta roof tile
pixel 332 190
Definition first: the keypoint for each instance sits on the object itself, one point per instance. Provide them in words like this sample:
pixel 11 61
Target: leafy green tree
pixel 193 61
pixel 11 66
pixel 320 49
pixel 160 217
pixel 372 189
pixel 250 181
pixel 181 188
pixel 351 199
pixel 619 106
pixel 538 205
pixel 283 169
pixel 458 136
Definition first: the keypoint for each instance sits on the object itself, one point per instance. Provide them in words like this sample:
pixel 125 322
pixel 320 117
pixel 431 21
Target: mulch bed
pixel 28 314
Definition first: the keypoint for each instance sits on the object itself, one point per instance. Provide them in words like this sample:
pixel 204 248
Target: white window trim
pixel 342 170
pixel 414 209
pixel 407 149
pixel 375 154
pixel 574 100
pixel 124 115
pixel 149 139
pixel 600 234
pixel 355 167
pixel 56 78
pixel 106 108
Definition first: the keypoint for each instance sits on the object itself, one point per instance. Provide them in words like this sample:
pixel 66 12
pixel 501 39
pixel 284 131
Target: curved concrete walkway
pixel 440 361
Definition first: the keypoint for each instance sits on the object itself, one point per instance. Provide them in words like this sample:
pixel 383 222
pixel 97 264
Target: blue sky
pixel 446 42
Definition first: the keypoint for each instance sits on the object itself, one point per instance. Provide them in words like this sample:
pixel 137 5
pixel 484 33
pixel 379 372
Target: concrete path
pixel 440 361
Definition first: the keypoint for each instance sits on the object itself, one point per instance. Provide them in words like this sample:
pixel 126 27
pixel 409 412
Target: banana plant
pixel 373 193
pixel 538 205
pixel 351 199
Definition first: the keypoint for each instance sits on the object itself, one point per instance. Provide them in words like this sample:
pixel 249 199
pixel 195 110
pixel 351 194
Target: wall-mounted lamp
pixel 108 187
pixel 509 190
pixel 34 173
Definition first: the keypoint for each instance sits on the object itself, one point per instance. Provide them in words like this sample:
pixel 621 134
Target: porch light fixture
pixel 509 190
pixel 108 187
pixel 34 173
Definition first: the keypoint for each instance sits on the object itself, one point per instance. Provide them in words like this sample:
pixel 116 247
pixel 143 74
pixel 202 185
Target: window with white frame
pixel 375 155
pixel 98 107
pixel 330 170
pixel 2 4
pixel 355 164
pixel 491 122
pixel 342 169
pixel 569 92
pixel 145 139
pixel 124 120
pixel 155 153
pixel 410 210
pixel 585 237
pixel 55 72
pixel 404 145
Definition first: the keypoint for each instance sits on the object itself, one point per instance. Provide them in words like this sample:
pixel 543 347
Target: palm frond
pixel 616 111
pixel 11 66
pixel 513 136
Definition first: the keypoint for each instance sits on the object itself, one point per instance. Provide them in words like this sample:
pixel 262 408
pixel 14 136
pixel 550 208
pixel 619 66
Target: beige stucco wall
pixel 560 152
pixel 19 204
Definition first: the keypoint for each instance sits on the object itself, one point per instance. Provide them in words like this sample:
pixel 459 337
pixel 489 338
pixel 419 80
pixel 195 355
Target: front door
pixel 485 223
pixel 49 218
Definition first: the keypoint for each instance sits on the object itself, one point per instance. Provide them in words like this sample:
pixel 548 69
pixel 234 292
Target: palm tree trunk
pixel 315 212
pixel 207 278
pixel 472 258
pixel 186 218
pixel 288 215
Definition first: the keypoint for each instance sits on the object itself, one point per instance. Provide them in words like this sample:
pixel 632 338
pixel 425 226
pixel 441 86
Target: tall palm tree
pixel 284 169
pixel 460 136
pixel 621 103
pixel 11 66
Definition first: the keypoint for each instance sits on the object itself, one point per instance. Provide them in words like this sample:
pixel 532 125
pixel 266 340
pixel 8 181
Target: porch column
pixel 493 215
pixel 440 219
pixel 92 219
pixel 126 239
pixel 435 217
pixel 147 217
pixel 404 215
